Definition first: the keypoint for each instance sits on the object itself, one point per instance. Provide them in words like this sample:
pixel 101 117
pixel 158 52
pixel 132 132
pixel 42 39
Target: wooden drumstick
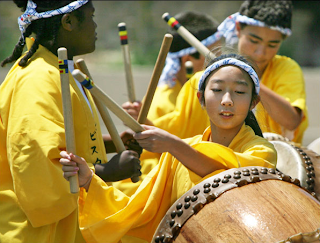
pixel 189 69
pixel 166 43
pixel 105 116
pixel 127 60
pixel 107 101
pixel 67 112
pixel 187 36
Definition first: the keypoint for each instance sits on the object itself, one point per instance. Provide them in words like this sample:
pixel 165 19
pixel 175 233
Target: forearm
pixel 280 110
pixel 108 144
pixel 194 160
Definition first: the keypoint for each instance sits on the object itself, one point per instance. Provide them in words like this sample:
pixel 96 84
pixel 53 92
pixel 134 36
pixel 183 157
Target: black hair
pixel 199 24
pixel 271 12
pixel 250 119
pixel 46 29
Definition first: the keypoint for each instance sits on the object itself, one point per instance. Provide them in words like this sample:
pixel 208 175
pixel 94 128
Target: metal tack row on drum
pixel 248 204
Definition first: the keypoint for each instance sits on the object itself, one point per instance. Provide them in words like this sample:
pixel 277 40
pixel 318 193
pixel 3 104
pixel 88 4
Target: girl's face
pixel 228 95
pixel 259 43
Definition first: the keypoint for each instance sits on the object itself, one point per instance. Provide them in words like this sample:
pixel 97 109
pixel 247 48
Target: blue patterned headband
pixel 172 67
pixel 234 62
pixel 228 27
pixel 31 14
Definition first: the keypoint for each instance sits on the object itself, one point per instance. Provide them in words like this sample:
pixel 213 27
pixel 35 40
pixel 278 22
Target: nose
pixel 227 100
pixel 260 51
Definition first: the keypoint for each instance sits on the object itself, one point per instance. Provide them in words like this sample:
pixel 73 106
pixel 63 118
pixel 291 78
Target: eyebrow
pixel 272 41
pixel 237 82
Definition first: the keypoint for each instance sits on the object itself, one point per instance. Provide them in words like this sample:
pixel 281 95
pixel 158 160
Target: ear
pixel 200 99
pixel 255 102
pixel 238 29
pixel 67 22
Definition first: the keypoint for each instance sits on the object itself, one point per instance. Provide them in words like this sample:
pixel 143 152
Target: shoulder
pixel 283 62
pixel 248 138
pixel 42 69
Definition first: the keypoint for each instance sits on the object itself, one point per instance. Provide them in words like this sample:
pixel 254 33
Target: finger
pixel 142 135
pixel 67 175
pixel 67 162
pixel 70 168
pixel 147 127
pixel 64 154
pixel 77 159
pixel 127 105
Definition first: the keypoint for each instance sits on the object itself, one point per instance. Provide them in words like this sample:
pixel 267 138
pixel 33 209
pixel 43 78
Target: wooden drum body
pixel 248 204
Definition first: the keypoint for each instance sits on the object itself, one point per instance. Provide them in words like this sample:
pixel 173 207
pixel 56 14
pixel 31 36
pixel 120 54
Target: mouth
pixel 226 114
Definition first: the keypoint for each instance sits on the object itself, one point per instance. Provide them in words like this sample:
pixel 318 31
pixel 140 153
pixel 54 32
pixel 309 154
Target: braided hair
pixel 46 29
pixel 199 24
pixel 250 119
pixel 271 12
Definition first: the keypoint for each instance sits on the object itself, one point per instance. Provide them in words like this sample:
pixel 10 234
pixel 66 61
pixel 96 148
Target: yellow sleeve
pixel 188 119
pixel 288 81
pixel 34 140
pixel 284 76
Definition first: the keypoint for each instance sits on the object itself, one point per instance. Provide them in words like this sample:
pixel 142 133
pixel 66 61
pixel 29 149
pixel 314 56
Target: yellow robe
pixel 36 203
pixel 282 75
pixel 164 100
pixel 106 214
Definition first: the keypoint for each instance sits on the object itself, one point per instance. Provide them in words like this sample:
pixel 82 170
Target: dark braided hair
pixel 199 24
pixel 271 12
pixel 250 119
pixel 46 29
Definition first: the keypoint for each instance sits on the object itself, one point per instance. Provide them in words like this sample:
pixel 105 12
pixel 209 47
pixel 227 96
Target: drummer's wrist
pixel 86 185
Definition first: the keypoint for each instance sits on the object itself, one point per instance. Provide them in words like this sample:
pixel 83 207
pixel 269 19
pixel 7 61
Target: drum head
pixel 290 162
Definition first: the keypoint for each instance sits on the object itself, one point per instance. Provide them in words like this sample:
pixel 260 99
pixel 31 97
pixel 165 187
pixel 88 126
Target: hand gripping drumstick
pixel 190 38
pixel 107 101
pixel 105 116
pixel 67 112
pixel 166 43
pixel 127 61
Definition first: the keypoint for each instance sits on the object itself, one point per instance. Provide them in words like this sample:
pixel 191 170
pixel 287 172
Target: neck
pixel 223 137
pixel 181 76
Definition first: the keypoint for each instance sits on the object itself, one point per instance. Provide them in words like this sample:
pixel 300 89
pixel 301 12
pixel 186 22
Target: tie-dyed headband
pixel 31 14
pixel 228 27
pixel 234 62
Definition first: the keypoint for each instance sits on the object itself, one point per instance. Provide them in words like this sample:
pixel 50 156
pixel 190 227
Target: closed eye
pixel 272 46
pixel 240 92
pixel 216 90
pixel 253 41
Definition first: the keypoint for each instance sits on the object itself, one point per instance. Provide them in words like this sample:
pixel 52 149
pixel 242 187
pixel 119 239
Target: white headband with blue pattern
pixel 234 62
pixel 228 27
pixel 31 14
pixel 172 66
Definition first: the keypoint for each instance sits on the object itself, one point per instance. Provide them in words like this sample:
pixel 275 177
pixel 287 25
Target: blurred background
pixel 146 29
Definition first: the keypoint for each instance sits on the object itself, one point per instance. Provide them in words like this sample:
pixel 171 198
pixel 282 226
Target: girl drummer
pixel 228 90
